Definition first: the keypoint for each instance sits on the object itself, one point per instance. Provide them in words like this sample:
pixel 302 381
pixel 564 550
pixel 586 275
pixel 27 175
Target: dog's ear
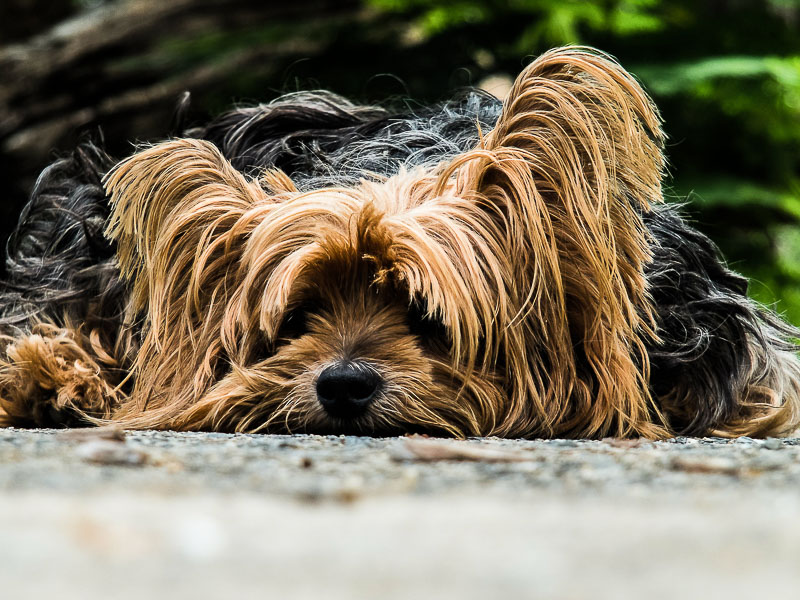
pixel 168 202
pixel 574 160
pixel 177 211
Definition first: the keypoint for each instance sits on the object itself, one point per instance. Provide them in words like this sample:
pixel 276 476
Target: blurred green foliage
pixel 726 75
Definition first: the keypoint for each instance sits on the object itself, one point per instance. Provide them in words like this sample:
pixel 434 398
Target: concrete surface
pixel 240 516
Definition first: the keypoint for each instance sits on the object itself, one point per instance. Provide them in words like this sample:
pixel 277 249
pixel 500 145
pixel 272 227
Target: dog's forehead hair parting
pixel 394 237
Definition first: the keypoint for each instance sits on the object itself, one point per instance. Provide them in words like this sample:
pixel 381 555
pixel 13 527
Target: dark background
pixel 725 73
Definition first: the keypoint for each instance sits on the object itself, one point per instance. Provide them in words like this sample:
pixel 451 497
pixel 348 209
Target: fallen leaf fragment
pixel 719 466
pixel 111 433
pixel 421 449
pixel 628 443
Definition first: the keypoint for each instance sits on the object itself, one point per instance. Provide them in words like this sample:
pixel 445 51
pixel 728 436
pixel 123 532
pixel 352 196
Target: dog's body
pixel 473 268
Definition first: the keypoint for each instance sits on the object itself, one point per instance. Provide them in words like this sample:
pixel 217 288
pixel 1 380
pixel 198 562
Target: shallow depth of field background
pixel 725 74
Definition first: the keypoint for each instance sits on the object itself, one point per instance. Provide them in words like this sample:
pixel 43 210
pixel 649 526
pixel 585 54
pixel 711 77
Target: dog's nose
pixel 346 389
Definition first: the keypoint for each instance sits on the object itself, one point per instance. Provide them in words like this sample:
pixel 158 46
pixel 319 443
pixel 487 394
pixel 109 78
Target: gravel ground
pixel 180 515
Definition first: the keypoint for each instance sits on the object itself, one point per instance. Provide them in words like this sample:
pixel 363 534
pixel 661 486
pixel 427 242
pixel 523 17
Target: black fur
pixel 320 139
pixel 61 267
pixel 59 263
pixel 707 325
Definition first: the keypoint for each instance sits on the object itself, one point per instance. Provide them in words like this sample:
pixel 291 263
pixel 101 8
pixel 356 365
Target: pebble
pixel 108 452
pixel 334 468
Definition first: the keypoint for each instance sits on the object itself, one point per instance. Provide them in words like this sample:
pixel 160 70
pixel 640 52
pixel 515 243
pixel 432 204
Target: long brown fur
pixel 529 250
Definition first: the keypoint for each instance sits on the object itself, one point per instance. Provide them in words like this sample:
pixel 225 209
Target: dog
pixel 473 268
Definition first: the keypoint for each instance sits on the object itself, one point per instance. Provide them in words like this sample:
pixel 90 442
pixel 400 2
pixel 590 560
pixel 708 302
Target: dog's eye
pixel 424 326
pixel 295 324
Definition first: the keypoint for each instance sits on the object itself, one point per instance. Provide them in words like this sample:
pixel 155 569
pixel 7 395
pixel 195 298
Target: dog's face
pixel 346 314
pixel 500 292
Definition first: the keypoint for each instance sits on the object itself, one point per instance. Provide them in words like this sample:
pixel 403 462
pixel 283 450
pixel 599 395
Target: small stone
pixel 773 444
pixel 351 489
pixel 110 453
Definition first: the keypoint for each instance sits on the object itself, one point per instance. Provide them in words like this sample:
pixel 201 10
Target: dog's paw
pixel 48 380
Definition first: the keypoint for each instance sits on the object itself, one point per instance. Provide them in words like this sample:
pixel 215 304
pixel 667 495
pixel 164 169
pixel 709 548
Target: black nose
pixel 346 389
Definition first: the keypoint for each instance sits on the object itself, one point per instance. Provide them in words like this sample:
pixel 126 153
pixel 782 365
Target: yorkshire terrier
pixel 473 268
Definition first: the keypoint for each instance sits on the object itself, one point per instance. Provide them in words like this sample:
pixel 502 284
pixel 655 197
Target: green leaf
pixel 715 192
pixel 671 79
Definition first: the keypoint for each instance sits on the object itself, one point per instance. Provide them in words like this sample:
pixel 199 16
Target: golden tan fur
pixel 529 250
pixel 50 372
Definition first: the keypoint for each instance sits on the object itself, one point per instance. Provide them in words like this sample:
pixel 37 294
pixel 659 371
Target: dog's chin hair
pixel 483 268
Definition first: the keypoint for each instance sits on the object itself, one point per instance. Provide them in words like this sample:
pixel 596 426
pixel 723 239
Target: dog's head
pixel 497 293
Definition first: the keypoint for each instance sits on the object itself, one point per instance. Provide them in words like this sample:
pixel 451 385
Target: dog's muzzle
pixel 346 389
